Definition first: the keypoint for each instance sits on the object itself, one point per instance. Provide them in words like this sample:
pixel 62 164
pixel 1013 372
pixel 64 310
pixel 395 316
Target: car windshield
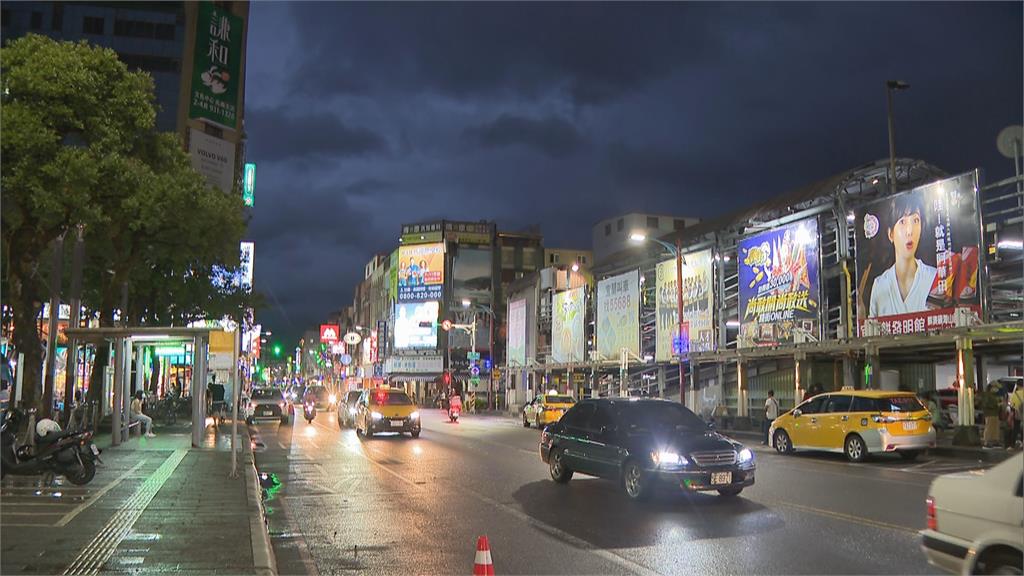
pixel 899 404
pixel 390 398
pixel 658 416
pixel 265 394
pixel 559 399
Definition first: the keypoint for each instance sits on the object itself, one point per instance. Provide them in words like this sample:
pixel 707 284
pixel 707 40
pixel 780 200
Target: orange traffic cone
pixel 483 565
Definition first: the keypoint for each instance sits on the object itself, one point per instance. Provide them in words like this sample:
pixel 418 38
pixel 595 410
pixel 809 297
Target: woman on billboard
pixel 904 286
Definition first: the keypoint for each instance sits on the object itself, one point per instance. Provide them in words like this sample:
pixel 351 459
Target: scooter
pixel 454 409
pixel 65 453
pixel 309 410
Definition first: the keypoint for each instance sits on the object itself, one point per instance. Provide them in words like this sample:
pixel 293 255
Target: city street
pixel 398 505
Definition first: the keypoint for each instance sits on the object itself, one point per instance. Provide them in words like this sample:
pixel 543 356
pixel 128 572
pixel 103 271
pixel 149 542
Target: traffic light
pixel 277 350
pixel 447 377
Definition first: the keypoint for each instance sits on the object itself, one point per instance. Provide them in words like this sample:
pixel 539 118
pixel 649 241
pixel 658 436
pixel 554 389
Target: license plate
pixel 397 423
pixel 718 478
pixel 95 450
pixel 910 425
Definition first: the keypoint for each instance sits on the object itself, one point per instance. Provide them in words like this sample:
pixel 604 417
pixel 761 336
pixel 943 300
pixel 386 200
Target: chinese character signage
pixel 249 184
pixel 420 272
pixel 618 315
pixel 517 333
pixel 567 313
pixel 216 66
pixel 778 277
pixel 918 258
pixel 698 312
pixel 330 333
pixel 247 251
pixel 416 325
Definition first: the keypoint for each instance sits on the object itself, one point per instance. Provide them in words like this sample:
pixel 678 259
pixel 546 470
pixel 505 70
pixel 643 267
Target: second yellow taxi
pixel 546 408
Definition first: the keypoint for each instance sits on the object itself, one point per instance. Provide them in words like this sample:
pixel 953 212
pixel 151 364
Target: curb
pixel 976 454
pixel 264 562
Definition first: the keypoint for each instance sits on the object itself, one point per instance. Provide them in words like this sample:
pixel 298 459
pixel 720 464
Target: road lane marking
pixel 81 507
pixel 841 516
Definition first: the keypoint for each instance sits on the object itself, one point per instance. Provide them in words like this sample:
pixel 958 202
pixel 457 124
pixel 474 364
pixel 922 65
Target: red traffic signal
pixel 446 325
pixel 447 377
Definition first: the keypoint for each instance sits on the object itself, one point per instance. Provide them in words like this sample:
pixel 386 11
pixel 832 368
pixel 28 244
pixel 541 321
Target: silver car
pixel 269 403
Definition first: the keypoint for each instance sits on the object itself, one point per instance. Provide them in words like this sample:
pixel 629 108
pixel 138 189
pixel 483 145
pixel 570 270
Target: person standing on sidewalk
pixel 771 412
pixel 138 416
pixel 989 404
pixel 1017 408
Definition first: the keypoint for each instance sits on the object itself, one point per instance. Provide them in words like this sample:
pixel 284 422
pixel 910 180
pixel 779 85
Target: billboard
pixel 249 184
pixel 416 325
pixel 216 66
pixel 214 159
pixel 779 291
pixel 568 310
pixel 420 272
pixel 330 333
pixel 618 315
pixel 247 252
pixel 698 307
pixel 517 333
pixel 918 256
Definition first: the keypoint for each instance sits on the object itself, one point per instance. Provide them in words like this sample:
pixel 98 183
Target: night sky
pixel 362 117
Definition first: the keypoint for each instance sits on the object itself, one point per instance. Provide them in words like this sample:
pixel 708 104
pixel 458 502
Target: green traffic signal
pixel 277 350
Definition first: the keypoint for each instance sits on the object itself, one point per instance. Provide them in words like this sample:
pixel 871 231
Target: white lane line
pixel 541 527
pixel 84 505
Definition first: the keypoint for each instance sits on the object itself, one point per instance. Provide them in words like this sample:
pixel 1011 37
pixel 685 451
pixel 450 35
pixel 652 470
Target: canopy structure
pixel 128 340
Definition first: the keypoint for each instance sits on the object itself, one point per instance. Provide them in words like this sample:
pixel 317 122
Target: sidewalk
pixel 156 505
pixel 944 447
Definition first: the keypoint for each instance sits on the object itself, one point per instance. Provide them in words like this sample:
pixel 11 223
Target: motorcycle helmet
pixel 45 426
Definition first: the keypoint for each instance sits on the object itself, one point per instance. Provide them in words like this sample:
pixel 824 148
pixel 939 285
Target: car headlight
pixel 376 415
pixel 745 455
pixel 352 411
pixel 666 458
pixel 414 415
pixel 332 399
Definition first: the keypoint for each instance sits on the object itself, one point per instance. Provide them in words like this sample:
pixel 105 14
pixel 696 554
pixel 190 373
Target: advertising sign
pixel 330 333
pixel 698 307
pixel 247 253
pixel 779 294
pixel 416 325
pixel 414 364
pixel 517 333
pixel 568 310
pixel 216 66
pixel 618 315
pixel 373 346
pixel 420 272
pixel 917 258
pixel 213 158
pixel 249 184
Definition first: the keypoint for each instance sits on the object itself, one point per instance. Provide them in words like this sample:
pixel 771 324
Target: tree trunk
pixel 26 307
pixel 99 366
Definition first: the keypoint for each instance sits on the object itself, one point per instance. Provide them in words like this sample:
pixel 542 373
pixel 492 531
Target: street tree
pixel 69 111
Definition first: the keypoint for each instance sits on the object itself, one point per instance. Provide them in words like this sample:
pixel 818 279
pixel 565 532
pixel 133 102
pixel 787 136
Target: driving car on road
pixel 642 443
pixel 269 403
pixel 347 409
pixel 324 398
pixel 545 409
pixel 975 520
pixel 386 410
pixel 857 423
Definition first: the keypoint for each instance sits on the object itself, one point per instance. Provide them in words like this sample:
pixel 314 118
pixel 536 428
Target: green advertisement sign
pixel 618 315
pixel 567 311
pixel 216 66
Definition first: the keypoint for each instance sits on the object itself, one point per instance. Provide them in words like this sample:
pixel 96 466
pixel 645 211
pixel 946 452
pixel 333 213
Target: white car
pixel 976 520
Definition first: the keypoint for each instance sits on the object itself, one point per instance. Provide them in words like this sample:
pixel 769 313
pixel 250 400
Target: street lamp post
pixel 890 86
pixel 677 253
pixel 471 328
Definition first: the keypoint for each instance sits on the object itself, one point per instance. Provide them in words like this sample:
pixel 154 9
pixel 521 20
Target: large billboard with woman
pixel 918 255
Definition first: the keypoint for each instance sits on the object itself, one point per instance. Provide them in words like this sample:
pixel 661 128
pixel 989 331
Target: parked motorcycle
pixel 309 410
pixel 71 454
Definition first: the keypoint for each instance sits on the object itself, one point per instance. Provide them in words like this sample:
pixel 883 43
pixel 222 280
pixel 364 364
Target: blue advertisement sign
pixel 779 290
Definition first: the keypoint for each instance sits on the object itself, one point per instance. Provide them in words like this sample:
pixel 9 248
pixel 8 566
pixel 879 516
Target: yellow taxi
pixel 856 423
pixel 386 410
pixel 546 408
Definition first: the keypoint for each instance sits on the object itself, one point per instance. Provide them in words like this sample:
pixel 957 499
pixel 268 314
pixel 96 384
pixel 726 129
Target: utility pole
pixel 50 375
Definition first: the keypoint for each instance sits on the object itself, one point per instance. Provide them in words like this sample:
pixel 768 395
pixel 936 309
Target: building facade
pixel 611 235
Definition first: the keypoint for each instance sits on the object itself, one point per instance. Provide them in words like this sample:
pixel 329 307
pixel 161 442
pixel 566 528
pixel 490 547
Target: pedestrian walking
pixel 935 408
pixel 138 416
pixel 771 412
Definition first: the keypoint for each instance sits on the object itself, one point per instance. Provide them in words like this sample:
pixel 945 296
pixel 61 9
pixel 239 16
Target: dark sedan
pixel 641 443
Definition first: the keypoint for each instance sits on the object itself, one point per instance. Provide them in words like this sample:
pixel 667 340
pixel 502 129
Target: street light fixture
pixel 890 86
pixel 677 253
pixel 575 267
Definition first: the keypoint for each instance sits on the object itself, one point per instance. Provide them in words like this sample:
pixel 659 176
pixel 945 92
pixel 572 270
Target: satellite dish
pixel 353 338
pixel 1007 139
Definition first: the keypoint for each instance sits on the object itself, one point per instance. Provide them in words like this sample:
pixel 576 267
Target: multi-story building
pixel 568 257
pixel 611 236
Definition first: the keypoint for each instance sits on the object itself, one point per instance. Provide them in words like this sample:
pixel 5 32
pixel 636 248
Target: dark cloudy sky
pixel 362 117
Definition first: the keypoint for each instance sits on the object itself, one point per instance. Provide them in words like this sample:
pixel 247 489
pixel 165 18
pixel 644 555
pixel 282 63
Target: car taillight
pixel 933 521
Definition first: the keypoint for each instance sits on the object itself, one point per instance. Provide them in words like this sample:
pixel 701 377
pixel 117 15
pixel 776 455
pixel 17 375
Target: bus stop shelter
pixel 126 341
